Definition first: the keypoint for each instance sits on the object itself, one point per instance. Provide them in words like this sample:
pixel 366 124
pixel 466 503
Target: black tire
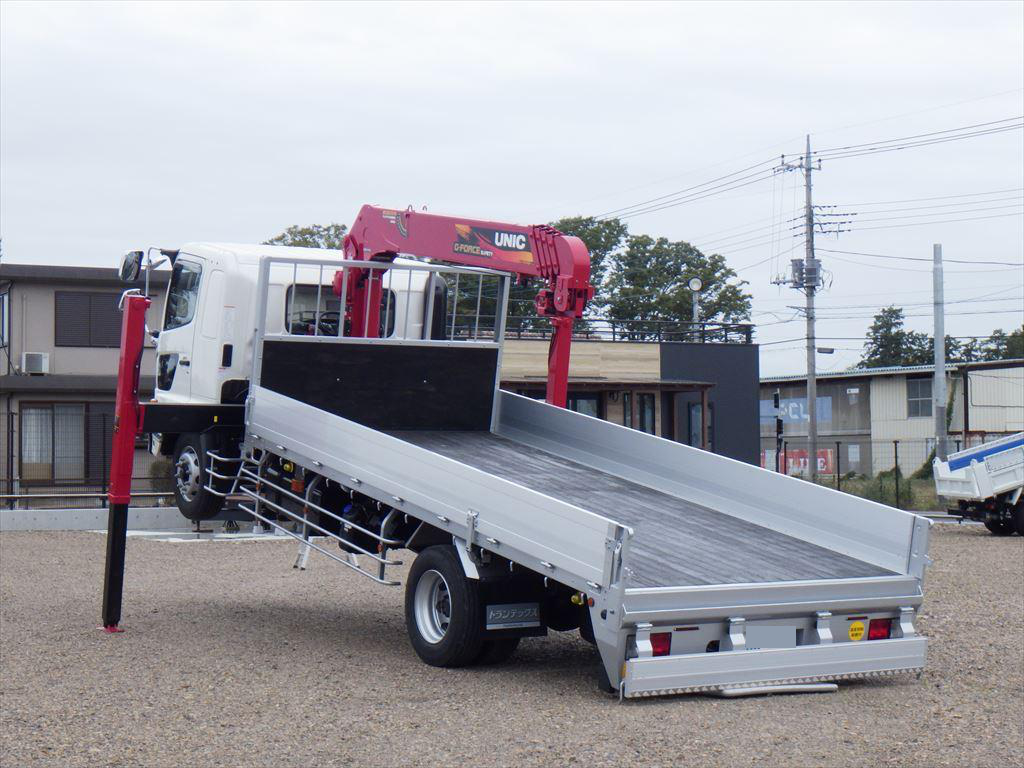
pixel 587 627
pixel 188 471
pixel 1000 527
pixel 497 651
pixel 1018 516
pixel 444 620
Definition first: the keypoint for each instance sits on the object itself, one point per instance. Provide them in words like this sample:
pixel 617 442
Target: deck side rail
pixel 862 529
pixel 540 532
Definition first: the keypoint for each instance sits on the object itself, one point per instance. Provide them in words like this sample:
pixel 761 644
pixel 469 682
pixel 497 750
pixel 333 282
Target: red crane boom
pixel 381 234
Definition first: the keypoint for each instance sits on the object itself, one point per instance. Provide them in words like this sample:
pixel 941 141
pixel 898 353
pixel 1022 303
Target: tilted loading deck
pixel 777 576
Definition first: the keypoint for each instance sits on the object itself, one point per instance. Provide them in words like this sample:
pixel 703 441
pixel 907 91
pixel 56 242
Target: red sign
pixel 796 461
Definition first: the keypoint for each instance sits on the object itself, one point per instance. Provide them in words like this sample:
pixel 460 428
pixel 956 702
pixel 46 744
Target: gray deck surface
pixel 676 542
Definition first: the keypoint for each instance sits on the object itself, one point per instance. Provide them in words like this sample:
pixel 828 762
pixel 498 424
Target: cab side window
pixel 182 295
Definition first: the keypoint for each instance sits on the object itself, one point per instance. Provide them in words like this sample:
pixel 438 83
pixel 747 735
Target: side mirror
pixel 131 266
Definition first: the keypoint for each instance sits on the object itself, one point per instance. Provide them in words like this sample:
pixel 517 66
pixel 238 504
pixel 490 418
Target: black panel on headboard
pixel 386 386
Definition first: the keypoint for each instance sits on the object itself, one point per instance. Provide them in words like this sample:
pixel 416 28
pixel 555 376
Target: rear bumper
pixel 706 672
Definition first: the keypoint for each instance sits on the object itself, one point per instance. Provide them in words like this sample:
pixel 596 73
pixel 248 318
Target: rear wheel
pixel 443 610
pixel 497 651
pixel 1018 516
pixel 190 478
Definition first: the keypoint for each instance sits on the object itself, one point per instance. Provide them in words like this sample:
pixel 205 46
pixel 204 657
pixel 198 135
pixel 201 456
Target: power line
pixel 924 271
pixel 918 136
pixel 913 145
pixel 940 213
pixel 921 258
pixel 920 111
pixel 695 196
pixel 918 207
pixel 835 307
pixel 965 314
pixel 941 221
pixel 695 187
pixel 924 199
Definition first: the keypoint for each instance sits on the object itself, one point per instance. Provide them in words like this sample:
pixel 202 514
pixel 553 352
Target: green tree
pixel 648 281
pixel 888 343
pixel 314 236
pixel 1005 346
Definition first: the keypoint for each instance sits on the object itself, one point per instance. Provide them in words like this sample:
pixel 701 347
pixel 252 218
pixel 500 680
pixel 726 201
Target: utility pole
pixel 939 381
pixel 806 277
pixel 810 285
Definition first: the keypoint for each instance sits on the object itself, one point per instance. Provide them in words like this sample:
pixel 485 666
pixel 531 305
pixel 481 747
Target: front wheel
pixel 443 610
pixel 190 478
pixel 1000 527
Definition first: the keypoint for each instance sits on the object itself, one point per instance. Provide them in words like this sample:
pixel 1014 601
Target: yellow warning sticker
pixel 856 630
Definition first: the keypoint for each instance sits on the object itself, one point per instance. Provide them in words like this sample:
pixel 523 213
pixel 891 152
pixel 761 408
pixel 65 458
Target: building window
pixel 644 408
pixel 84 319
pixel 3 320
pixel 919 398
pixel 182 295
pixel 696 421
pixel 65 442
pixel 588 405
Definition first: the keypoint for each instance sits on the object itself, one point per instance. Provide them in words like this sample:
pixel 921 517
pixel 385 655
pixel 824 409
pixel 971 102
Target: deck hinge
pixel 823 627
pixel 737 640
pixel 471 518
pixel 644 649
pixel 907 622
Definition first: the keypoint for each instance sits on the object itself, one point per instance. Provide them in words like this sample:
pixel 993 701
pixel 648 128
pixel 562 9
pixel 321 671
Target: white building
pixel 867 417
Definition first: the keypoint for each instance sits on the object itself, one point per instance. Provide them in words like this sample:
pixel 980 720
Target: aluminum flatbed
pixel 701 573
pixel 675 542
pixel 688 570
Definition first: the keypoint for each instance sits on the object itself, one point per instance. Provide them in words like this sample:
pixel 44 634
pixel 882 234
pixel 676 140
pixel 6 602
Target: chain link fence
pixel 57 456
pixel 893 472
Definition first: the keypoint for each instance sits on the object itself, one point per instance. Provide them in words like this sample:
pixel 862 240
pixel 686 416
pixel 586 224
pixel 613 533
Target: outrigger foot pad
pixel 113 629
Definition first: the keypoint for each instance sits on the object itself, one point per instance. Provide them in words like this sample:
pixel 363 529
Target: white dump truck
pixel 351 400
pixel 986 482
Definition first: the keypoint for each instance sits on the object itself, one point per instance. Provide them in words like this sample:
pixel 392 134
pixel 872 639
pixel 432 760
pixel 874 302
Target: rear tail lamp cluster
pixel 879 629
pixel 661 643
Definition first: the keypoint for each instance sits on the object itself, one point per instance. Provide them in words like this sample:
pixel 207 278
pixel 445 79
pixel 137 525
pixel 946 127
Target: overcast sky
pixel 127 125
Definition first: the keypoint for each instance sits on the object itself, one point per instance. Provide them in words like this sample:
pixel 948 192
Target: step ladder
pixel 246 486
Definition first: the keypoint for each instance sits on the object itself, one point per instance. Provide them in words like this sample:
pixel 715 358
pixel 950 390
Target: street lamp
pixel 695 284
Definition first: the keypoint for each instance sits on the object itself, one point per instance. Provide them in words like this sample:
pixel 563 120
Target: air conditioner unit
pixel 35 362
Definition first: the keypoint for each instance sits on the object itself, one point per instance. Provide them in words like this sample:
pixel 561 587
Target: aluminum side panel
pixel 861 529
pixel 569 540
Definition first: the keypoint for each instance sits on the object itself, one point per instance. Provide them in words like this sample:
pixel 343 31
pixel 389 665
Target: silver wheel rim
pixel 186 474
pixel 432 607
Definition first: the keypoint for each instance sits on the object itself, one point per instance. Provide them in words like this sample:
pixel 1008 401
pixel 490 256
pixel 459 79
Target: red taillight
pixel 661 642
pixel 879 629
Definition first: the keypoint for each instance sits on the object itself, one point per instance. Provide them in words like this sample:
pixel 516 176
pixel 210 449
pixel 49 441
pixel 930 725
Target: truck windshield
pixel 182 295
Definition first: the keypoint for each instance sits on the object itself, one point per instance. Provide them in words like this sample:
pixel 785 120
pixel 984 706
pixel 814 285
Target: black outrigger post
pixel 127 419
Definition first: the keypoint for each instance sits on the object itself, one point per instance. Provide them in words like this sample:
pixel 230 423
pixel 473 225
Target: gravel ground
pixel 232 658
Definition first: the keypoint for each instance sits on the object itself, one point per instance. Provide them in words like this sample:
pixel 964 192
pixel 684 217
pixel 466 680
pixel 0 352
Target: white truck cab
pixel 204 348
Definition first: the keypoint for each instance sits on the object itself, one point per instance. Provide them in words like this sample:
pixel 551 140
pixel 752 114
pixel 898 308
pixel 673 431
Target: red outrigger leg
pixel 127 418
